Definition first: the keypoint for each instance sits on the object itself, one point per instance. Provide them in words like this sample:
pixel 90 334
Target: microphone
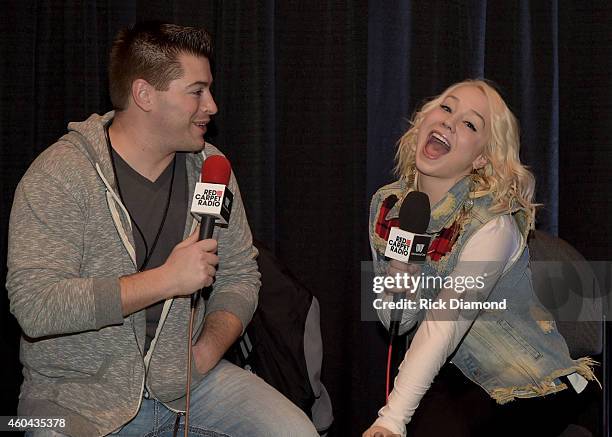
pixel 408 243
pixel 212 199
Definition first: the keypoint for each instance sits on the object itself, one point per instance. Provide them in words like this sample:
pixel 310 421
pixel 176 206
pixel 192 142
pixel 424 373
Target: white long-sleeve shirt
pixel 488 253
pixel 498 242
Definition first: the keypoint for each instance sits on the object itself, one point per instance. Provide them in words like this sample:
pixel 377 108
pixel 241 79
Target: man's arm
pixel 221 330
pixel 237 281
pixel 47 292
pixel 234 298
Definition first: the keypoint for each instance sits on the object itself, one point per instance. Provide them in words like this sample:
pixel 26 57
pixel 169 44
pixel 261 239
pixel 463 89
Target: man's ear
pixel 142 94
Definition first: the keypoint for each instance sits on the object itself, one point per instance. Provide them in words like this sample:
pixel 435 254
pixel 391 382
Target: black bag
pixel 283 344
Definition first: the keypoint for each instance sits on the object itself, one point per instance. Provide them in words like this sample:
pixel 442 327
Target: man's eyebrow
pixel 474 111
pixel 198 82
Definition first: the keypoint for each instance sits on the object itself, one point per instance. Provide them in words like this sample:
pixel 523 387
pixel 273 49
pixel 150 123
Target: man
pixel 99 278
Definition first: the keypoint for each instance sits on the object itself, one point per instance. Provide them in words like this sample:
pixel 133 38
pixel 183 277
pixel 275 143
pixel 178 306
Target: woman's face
pixel 452 135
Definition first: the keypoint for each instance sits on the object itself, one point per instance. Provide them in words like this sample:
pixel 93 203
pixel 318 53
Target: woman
pixel 462 150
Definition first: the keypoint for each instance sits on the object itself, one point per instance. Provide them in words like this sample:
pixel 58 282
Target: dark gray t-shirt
pixel 146 203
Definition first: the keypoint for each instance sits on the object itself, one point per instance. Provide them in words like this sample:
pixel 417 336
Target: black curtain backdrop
pixel 312 98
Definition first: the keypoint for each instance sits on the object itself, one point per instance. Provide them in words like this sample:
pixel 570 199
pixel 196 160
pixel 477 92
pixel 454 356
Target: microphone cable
pixel 177 422
pixel 389 370
pixel 194 303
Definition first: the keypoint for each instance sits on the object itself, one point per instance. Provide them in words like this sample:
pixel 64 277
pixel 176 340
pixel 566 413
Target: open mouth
pixel 202 126
pixel 436 146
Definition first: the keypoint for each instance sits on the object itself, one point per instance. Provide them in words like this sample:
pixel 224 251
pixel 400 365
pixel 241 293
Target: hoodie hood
pixel 91 141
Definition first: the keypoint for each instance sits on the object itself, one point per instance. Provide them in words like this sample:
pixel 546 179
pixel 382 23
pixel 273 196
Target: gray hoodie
pixel 70 239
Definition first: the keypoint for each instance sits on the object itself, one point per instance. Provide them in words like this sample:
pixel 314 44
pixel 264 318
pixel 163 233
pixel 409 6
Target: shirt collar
pixel 443 211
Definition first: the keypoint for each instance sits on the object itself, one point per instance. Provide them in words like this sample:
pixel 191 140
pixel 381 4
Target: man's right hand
pixel 191 265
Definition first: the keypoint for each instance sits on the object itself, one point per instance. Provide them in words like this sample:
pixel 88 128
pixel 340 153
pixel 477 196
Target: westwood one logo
pixel 210 197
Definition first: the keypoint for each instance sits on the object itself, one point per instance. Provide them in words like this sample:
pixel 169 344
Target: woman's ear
pixel 479 162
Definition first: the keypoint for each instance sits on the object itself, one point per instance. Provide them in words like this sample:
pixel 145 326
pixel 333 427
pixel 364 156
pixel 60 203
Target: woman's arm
pixel 442 330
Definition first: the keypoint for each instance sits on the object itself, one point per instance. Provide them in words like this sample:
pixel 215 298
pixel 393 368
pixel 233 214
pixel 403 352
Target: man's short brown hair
pixel 149 51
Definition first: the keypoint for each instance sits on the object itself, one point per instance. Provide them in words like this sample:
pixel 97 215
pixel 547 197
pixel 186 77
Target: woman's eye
pixel 198 92
pixel 470 126
pixel 446 108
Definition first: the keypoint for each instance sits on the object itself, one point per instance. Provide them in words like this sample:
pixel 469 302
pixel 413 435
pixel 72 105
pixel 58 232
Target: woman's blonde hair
pixel 509 182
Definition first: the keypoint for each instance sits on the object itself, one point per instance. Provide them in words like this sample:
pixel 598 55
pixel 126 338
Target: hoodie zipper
pixel 112 196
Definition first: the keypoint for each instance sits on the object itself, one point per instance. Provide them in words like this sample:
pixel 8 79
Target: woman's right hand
pixel 399 268
pixel 378 431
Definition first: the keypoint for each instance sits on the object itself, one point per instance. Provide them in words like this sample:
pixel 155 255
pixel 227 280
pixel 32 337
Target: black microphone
pixel 408 243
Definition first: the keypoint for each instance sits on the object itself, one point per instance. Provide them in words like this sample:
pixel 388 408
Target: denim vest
pixel 512 353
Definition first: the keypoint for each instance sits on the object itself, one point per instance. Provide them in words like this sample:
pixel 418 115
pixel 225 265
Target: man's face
pixel 182 112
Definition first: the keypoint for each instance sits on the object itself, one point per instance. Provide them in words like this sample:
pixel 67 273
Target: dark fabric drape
pixel 312 98
pixel 585 63
pixel 424 47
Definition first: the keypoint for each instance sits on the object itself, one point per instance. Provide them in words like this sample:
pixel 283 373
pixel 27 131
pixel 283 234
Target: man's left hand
pixel 221 329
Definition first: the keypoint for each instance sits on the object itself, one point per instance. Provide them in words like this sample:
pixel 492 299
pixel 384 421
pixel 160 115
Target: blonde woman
pixel 462 150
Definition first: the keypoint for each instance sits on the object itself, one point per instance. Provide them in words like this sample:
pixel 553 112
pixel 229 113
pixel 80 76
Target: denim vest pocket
pixel 512 336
